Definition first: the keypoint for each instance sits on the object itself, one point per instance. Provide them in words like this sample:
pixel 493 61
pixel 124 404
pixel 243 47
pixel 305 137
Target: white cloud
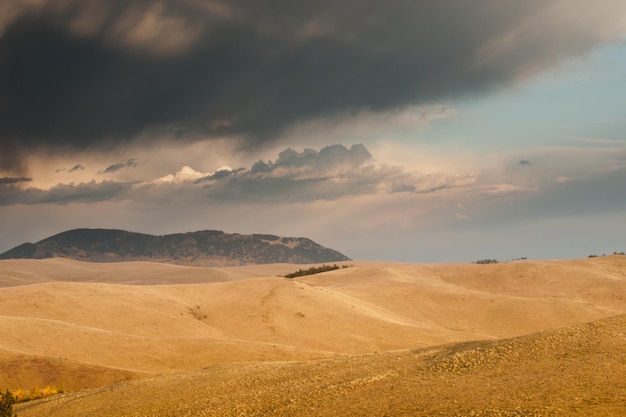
pixel 563 179
pixel 498 190
pixel 598 141
pixel 186 173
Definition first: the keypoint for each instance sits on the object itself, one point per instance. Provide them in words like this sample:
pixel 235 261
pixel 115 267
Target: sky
pixel 414 131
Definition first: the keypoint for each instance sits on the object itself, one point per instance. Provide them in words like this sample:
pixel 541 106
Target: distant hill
pixel 203 248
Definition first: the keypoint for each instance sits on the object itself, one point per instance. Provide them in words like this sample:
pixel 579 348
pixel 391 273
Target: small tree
pixel 6 404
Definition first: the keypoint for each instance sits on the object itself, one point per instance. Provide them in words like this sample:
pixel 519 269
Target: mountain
pixel 203 248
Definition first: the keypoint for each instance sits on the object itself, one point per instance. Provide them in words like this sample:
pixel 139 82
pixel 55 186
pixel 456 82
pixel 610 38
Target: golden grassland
pixel 378 338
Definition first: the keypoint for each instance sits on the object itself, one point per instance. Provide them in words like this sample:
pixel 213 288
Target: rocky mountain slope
pixel 203 248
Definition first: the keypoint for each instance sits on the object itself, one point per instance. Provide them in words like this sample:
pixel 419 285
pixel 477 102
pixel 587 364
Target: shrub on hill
pixel 313 270
pixel 6 404
pixel 486 261
pixel 604 254
pixel 22 396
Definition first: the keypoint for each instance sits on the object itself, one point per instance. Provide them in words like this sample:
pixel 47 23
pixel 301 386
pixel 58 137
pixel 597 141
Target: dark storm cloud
pixel 13 180
pixel 79 73
pixel 328 158
pixel 72 169
pixel 62 194
pixel 131 163
pixel 301 176
pixel 333 172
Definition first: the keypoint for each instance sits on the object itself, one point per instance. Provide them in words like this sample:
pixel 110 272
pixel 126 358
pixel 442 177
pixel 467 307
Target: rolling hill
pixel 574 371
pixel 533 337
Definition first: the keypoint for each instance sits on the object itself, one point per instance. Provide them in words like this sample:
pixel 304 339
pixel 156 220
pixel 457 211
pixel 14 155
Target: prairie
pixel 524 338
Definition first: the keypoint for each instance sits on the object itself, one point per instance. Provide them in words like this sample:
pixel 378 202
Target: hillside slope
pixel 207 247
pixel 60 318
pixel 574 371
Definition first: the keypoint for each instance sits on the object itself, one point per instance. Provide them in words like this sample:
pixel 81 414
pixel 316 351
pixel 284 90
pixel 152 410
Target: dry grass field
pixel 143 339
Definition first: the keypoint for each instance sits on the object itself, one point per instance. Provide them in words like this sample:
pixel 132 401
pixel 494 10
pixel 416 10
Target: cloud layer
pixel 79 74
pixel 295 177
pixel 489 206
